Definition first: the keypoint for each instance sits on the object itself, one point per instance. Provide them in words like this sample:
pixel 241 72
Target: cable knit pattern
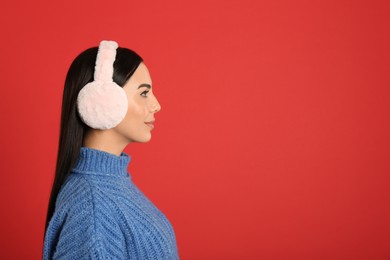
pixel 101 214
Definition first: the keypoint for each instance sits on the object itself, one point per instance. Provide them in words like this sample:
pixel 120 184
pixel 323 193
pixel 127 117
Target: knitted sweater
pixel 101 214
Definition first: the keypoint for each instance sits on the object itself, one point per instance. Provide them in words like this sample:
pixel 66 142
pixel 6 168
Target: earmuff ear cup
pixel 102 105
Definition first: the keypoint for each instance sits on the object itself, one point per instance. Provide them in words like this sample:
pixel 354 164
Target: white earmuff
pixel 102 104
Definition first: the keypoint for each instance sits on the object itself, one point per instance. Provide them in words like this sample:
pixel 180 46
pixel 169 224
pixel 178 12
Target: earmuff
pixel 102 104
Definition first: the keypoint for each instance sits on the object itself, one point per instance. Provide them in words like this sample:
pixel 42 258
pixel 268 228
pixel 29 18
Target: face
pixel 142 105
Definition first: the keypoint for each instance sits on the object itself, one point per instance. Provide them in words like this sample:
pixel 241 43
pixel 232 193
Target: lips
pixel 150 124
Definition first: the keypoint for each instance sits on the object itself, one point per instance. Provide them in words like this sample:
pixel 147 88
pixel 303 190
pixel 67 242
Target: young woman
pixel 95 210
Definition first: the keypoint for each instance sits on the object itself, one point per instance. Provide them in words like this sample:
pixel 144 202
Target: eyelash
pixel 146 91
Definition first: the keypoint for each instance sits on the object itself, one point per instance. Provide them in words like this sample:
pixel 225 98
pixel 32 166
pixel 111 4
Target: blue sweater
pixel 101 214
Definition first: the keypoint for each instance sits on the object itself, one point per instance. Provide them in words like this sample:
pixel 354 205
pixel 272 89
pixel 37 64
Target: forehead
pixel 140 76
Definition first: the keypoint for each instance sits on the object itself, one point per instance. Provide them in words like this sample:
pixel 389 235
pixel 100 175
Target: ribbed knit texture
pixel 101 214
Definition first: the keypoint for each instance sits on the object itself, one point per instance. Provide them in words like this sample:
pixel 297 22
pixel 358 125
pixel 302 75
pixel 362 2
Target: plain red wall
pixel 273 138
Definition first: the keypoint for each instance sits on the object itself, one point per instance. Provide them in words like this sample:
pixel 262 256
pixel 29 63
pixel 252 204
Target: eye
pixel 145 92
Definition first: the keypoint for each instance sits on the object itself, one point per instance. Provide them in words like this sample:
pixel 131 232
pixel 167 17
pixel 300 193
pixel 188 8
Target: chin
pixel 144 139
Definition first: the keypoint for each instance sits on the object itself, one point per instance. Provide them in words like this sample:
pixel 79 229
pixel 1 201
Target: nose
pixel 156 107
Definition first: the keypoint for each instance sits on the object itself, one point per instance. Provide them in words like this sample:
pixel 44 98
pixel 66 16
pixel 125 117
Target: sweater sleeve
pixel 78 238
pixel 85 230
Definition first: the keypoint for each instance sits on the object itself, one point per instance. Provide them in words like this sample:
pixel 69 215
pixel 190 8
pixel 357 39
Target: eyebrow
pixel 144 85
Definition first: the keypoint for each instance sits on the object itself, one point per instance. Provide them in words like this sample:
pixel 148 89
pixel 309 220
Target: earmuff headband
pixel 105 58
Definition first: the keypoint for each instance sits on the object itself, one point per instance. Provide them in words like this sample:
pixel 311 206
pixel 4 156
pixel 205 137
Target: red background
pixel 273 138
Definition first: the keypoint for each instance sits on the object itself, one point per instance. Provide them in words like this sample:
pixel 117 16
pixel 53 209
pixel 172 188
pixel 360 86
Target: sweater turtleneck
pixel 98 162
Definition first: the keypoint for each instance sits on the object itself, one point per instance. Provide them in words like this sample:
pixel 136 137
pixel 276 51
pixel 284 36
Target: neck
pixel 105 140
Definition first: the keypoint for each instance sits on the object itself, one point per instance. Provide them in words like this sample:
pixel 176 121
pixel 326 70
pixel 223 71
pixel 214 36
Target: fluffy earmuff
pixel 102 104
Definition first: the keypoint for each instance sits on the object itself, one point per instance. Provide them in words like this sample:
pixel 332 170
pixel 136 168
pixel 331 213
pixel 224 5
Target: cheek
pixel 135 113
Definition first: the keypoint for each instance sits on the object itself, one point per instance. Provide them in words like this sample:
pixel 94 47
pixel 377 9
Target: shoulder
pixel 82 199
pixel 84 222
pixel 76 190
pixel 79 189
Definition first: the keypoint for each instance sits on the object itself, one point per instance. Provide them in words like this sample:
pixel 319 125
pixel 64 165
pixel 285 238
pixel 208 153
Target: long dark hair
pixel 73 129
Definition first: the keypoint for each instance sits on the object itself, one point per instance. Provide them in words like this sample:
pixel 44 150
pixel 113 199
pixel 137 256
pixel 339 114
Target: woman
pixel 95 210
